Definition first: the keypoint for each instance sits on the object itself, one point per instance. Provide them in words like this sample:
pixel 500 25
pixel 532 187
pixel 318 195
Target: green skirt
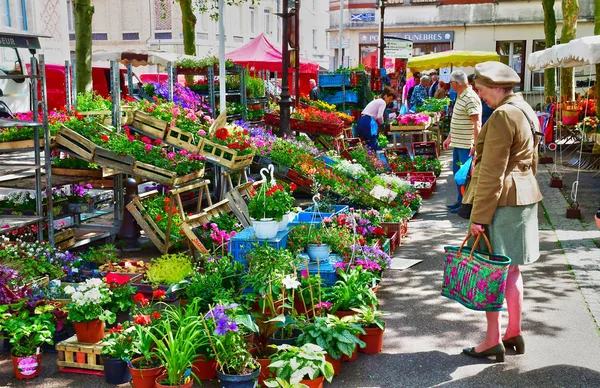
pixel 514 233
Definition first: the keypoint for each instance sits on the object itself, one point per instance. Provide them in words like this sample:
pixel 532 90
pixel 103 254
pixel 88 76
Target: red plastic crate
pixel 394 238
pixel 399 151
pixel 298 179
pixel 425 148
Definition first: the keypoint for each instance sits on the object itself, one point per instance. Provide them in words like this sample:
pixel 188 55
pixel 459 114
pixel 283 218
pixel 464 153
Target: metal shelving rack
pixel 234 70
pixel 38 102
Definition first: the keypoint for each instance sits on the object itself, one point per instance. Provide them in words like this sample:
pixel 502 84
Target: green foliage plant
pixel 92 101
pixel 169 269
pixel 336 336
pixel 369 317
pixel 27 331
pixel 106 253
pixel 119 342
pixel 294 364
pixel 353 290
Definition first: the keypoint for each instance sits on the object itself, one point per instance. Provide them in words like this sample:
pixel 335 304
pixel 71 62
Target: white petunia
pixel 290 282
pixel 70 290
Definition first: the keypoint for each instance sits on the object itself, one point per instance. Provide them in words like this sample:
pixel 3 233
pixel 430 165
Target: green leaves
pixel 295 363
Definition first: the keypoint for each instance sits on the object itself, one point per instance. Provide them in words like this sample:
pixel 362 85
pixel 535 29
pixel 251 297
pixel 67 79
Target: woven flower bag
pixel 478 280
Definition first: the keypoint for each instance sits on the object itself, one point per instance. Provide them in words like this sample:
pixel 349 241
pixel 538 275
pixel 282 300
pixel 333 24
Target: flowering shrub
pixel 189 120
pixel 89 301
pixel 400 163
pixel 55 118
pixel 119 342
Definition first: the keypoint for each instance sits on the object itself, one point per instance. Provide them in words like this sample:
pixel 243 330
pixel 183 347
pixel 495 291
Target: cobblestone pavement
pixel 426 332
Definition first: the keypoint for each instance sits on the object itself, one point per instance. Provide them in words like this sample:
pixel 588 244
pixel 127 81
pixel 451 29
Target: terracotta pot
pixel 597 221
pixel 316 383
pixel 344 313
pixel 337 364
pixel 265 372
pixel 204 369
pixel 374 340
pixel 163 376
pixel 89 332
pixel 351 358
pixel 27 367
pixel 144 378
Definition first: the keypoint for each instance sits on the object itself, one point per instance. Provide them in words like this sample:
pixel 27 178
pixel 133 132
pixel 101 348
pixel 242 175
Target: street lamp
pixel 381 5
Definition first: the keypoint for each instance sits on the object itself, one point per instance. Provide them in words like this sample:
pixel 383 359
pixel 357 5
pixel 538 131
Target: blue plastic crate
pixel 307 216
pixel 324 268
pixel 340 97
pixel 243 243
pixel 334 80
pixel 328 161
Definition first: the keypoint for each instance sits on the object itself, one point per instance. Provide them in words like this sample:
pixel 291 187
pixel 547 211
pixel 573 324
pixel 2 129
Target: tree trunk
pixel 570 9
pixel 188 22
pixel 597 32
pixel 550 34
pixel 83 11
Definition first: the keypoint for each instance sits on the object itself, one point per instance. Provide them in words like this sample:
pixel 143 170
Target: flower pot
pixel 249 380
pixel 352 357
pixel 204 369
pixel 276 339
pixel 27 367
pixel 89 332
pixel 265 372
pixel 144 378
pixel 344 313
pixel 316 383
pixel 163 377
pixel 337 364
pixel 374 340
pixel 597 221
pixel 318 252
pixel 265 229
pixel 283 223
pixel 116 371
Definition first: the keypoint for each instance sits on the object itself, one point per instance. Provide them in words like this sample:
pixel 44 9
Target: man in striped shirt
pixel 464 126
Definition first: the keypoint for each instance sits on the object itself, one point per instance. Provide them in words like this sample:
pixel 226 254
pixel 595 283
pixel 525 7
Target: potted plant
pixel 166 271
pixel 267 208
pixel 27 332
pixel 176 337
pixel 80 200
pixel 88 311
pixel 122 291
pixel 300 365
pixel 354 289
pixel 236 368
pixel 94 257
pixel 313 238
pixel 370 320
pixel 336 336
pixel 145 368
pixel 118 348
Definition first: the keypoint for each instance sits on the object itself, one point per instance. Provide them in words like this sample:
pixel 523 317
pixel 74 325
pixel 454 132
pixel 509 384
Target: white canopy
pixel 578 52
pixel 140 57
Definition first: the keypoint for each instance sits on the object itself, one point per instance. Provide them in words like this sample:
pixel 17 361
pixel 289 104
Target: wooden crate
pixel 120 163
pixel 80 355
pixel 163 176
pixel 137 210
pixel 145 123
pixel 76 144
pixel 64 239
pixel 223 155
pixel 182 139
pixel 77 172
pixel 21 144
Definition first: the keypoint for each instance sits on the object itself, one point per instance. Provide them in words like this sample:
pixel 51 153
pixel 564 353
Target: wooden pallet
pixel 223 155
pixel 145 123
pixel 76 144
pixel 80 355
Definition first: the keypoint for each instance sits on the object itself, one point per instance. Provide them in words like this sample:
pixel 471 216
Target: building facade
pixel 512 28
pixel 156 24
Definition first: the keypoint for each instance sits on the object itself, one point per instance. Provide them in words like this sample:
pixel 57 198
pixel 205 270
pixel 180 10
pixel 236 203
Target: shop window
pixel 512 53
pixel 537 76
pixel 267 21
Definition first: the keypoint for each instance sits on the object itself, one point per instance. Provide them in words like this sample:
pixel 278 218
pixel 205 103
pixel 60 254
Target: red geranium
pixel 142 319
pixel 104 138
pixel 116 279
pixel 141 299
pixel 156 315
pixel 116 329
pixel 159 295
pixel 222 134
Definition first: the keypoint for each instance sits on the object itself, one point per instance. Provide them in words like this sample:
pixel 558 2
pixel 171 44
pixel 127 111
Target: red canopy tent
pixel 260 54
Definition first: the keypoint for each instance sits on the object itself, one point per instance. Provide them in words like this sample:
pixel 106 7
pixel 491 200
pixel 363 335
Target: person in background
pixel 373 115
pixel 434 84
pixel 409 87
pixel 315 94
pixel 441 92
pixel 504 194
pixel 464 126
pixel 419 94
pixel 486 111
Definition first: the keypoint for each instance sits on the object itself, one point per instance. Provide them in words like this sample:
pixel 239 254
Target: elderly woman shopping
pixel 504 194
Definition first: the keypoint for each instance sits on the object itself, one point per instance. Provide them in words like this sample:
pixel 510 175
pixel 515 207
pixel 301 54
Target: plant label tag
pixel 383 194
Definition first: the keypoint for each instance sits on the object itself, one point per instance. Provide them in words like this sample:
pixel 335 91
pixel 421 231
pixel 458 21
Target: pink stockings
pixel 514 301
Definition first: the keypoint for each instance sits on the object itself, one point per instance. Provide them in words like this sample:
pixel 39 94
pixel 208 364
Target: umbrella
pixel 450 58
pixel 578 52
pixel 140 57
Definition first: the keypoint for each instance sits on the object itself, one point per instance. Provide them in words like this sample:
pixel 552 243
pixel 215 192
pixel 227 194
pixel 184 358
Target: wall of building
pixel 156 24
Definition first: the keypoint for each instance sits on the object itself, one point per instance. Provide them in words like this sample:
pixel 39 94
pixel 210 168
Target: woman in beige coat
pixel 504 194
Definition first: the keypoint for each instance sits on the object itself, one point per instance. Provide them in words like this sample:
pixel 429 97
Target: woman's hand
pixel 476 229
